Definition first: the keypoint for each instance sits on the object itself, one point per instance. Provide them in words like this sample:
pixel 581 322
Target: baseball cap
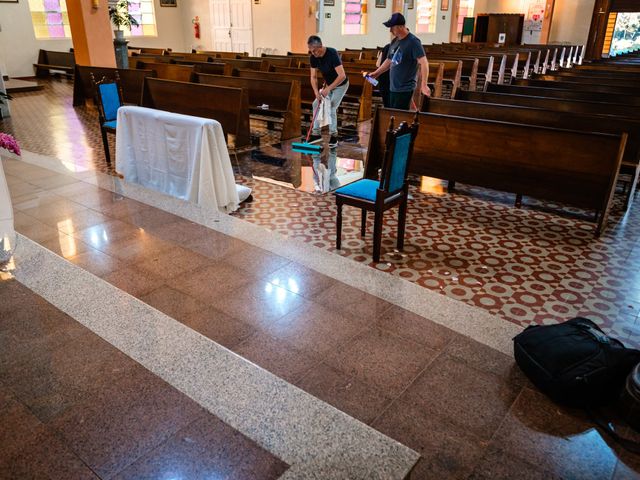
pixel 396 19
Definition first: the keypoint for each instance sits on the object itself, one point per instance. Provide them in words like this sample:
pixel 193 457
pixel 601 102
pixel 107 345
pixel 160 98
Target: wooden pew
pixel 277 61
pixel 347 56
pixel 624 83
pixel 484 69
pixel 360 91
pixel 131 83
pixel 49 60
pixel 581 87
pixel 473 151
pixel 217 54
pixel 196 57
pixel 607 67
pixel 555 119
pixel 150 51
pixel 282 97
pixel 134 59
pixel 212 68
pixel 554 104
pixel 168 71
pixel 566 94
pixel 306 90
pixel 229 106
pixel 573 72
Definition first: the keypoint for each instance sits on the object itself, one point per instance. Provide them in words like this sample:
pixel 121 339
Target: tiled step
pixel 15 85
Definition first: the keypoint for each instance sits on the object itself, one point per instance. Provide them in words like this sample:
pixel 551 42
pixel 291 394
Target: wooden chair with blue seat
pixel 381 195
pixel 109 100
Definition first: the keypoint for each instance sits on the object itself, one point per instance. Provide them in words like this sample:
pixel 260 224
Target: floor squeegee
pixel 306 147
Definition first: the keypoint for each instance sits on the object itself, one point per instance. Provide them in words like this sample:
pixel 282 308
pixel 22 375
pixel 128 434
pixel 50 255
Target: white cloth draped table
pixel 180 155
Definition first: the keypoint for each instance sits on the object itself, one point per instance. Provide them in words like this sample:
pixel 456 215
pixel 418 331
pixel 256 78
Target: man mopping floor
pixel 328 61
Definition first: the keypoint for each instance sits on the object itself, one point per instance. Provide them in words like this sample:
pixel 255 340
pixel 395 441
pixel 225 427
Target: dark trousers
pixel 400 100
pixel 386 100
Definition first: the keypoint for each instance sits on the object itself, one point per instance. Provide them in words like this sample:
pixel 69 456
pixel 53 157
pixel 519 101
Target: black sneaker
pixel 315 138
pixel 333 141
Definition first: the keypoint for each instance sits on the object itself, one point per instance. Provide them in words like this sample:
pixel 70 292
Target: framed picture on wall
pixel 444 5
pixel 329 3
pixel 381 3
pixel 168 3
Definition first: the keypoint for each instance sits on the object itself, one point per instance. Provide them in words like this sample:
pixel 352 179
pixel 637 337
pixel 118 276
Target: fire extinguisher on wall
pixel 196 27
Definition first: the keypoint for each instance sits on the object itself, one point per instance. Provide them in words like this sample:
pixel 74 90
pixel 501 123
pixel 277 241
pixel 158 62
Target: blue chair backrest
pixel 110 100
pixel 399 163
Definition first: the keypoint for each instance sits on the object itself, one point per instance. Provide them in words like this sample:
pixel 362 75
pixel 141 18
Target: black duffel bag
pixel 574 362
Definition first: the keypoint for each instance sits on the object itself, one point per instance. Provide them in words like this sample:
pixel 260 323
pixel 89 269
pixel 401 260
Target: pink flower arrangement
pixel 9 143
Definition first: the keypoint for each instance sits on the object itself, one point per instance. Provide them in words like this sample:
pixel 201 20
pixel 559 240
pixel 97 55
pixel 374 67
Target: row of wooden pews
pixel 569 140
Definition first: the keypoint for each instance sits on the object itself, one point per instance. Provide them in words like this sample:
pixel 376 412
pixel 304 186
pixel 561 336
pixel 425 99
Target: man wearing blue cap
pixel 405 54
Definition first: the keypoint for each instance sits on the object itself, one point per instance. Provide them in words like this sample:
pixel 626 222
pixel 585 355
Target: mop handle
pixel 313 120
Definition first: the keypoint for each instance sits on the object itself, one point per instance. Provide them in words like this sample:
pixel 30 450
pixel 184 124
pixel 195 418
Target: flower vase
pixel 119 34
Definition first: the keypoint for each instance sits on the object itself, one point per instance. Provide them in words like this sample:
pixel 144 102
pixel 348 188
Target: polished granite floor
pixel 73 406
pixel 463 406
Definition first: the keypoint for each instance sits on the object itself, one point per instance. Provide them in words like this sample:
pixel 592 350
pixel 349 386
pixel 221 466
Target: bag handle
pixel 606 427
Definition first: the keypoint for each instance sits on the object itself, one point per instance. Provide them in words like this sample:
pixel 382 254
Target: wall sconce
pixel 95 4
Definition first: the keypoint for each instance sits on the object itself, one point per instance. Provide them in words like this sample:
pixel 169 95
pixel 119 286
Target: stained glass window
pixel 354 17
pixel 426 16
pixel 626 33
pixel 142 11
pixel 50 18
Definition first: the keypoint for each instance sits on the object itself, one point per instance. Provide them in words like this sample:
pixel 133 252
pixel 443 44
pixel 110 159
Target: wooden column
pixel 546 22
pixel 91 32
pixel 598 29
pixel 303 24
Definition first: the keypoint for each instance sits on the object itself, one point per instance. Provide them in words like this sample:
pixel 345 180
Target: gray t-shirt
pixel 404 55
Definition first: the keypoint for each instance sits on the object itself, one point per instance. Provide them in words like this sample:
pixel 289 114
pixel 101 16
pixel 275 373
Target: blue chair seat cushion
pixel 111 124
pixel 365 189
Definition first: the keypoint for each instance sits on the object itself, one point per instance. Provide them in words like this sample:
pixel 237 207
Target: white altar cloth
pixel 180 155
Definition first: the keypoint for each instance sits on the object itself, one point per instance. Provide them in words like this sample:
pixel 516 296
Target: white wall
pixel 378 34
pixel 169 26
pixel 571 21
pixel 18 44
pixel 272 28
pixel 191 9
pixel 272 25
pixel 508 6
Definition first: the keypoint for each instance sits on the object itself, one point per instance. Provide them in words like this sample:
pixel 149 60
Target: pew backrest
pixel 168 71
pixel 229 106
pixel 131 83
pixel 516 158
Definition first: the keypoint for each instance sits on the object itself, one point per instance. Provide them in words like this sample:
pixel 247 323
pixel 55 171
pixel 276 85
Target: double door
pixel 232 25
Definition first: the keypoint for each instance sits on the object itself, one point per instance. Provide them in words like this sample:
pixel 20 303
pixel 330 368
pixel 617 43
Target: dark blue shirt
pixel 327 65
pixel 404 55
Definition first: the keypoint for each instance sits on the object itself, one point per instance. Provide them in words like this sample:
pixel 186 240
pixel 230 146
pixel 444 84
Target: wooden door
pixel 221 25
pixel 232 29
pixel 598 29
pixel 241 26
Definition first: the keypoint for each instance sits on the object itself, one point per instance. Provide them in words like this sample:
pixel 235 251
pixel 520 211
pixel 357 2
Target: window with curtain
pixel 142 11
pixel 426 16
pixel 50 19
pixel 354 17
